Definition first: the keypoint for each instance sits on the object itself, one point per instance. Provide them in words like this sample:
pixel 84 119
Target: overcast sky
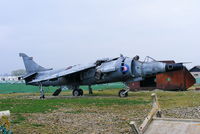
pixel 58 33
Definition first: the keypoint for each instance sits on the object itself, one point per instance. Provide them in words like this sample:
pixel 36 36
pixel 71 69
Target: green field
pixel 22 88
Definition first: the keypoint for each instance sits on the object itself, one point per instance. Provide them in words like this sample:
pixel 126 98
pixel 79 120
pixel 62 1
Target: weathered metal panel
pixel 171 80
pixel 189 79
pixel 136 86
pixel 143 85
pixel 173 126
pixel 176 80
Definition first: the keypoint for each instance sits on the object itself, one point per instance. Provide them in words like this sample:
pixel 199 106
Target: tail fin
pixel 30 65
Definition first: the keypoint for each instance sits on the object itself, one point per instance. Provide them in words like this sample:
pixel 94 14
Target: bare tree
pixel 18 72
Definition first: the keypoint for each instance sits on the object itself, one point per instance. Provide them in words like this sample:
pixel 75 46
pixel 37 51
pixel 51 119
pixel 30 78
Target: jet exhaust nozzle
pixel 173 67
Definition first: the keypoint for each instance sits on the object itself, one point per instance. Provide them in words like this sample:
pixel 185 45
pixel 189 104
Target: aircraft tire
pixel 42 97
pixel 121 93
pixel 76 92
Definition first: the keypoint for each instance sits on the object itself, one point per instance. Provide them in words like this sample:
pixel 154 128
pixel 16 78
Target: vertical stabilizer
pixel 30 65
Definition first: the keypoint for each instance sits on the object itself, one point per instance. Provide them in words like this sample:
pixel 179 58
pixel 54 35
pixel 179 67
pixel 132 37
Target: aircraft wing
pixel 66 72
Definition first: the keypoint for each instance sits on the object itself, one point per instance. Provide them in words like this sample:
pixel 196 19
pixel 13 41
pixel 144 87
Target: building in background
pixel 195 71
pixel 10 79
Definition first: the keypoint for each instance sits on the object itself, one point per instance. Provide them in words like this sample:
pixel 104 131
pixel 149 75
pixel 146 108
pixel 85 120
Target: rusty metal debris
pixel 178 80
pixel 154 123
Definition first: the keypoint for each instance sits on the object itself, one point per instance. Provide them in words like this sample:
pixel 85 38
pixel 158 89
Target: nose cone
pixel 173 67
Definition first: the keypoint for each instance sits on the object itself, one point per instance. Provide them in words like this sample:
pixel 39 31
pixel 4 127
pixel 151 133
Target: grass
pixel 25 107
pixel 18 119
pixel 17 105
pixel 22 88
pixel 38 125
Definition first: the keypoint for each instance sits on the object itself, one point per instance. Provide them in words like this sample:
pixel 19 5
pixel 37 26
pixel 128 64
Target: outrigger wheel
pixel 42 97
pixel 77 92
pixel 123 93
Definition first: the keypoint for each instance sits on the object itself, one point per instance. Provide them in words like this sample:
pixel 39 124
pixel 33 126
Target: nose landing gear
pixel 123 93
pixel 77 92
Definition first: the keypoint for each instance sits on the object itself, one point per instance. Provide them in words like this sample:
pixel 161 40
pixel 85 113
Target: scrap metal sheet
pixel 173 126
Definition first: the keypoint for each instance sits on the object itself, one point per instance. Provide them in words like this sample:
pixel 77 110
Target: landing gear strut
pixel 42 96
pixel 90 89
pixel 123 93
pixel 77 92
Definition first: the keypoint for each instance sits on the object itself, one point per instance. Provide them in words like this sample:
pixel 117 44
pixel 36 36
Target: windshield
pixel 149 59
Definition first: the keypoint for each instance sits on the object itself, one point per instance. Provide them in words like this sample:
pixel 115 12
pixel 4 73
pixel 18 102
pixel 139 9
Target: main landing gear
pixel 123 93
pixel 42 96
pixel 90 89
pixel 77 92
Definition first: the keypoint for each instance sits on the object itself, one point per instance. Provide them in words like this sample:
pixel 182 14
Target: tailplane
pixel 30 65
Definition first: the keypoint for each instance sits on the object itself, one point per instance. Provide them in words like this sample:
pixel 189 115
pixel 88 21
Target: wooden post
pixel 154 111
pixel 134 128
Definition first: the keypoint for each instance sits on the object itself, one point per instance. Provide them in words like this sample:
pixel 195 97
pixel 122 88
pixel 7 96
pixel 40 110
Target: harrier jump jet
pixel 120 69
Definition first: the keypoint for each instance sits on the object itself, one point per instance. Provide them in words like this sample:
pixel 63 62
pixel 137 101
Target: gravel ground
pixel 185 113
pixel 98 121
pixel 85 121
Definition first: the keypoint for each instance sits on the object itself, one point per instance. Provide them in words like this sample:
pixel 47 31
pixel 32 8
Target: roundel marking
pixel 125 68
